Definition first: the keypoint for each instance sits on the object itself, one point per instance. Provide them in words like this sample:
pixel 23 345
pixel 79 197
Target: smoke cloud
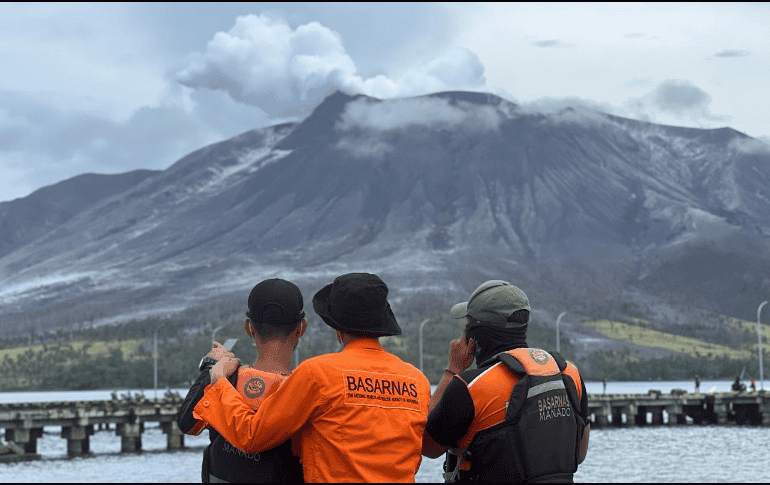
pixel 264 62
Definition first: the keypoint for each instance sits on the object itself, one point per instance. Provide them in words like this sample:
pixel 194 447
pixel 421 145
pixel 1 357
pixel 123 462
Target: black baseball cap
pixel 275 301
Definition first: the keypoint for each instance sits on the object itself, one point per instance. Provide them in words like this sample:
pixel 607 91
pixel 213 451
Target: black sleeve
pixel 583 400
pixel 452 416
pixel 184 417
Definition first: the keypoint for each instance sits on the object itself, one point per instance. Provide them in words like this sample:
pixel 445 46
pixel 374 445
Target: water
pixel 652 454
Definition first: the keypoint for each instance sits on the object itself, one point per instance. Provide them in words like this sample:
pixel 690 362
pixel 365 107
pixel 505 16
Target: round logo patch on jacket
pixel 254 387
pixel 539 356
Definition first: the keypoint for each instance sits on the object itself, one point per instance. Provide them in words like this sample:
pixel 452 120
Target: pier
pixel 674 409
pixel 24 422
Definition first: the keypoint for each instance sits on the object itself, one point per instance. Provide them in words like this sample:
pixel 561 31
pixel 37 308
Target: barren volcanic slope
pixel 434 192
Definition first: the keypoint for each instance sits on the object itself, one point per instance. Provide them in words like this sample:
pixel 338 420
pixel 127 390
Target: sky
pixel 110 88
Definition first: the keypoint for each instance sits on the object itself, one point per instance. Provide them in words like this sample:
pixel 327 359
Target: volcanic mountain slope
pixel 25 219
pixel 434 192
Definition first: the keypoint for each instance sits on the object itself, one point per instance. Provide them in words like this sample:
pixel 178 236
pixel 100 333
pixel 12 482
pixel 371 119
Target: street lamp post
pixel 759 337
pixel 558 321
pixel 422 324
pixel 155 359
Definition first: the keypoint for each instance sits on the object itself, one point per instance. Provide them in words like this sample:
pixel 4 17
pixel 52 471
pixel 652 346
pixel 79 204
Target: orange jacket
pixel 361 413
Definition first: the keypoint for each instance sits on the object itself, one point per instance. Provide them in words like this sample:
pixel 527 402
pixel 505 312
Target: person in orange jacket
pixel 361 412
pixel 275 321
pixel 521 415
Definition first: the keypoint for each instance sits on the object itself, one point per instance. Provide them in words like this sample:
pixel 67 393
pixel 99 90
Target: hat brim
pixel 459 311
pixel 383 325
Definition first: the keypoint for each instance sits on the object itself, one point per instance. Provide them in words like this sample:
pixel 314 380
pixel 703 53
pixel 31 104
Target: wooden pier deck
pixel 24 422
pixel 655 408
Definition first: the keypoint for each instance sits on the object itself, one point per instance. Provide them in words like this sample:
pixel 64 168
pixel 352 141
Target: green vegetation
pixel 623 366
pixel 641 334
pixel 121 356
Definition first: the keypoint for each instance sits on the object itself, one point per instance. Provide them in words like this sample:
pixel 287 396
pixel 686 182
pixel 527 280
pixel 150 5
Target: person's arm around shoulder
pixel 461 353
pixel 276 419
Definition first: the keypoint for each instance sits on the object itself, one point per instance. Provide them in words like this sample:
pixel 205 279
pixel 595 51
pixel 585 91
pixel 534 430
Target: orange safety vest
pixel 254 385
pixel 361 412
pixel 491 392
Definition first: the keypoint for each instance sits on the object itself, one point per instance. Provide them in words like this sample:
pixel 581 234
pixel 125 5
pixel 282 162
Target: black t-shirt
pixel 454 413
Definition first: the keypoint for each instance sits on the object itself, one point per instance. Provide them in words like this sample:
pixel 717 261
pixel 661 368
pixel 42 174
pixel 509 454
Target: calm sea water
pixel 652 454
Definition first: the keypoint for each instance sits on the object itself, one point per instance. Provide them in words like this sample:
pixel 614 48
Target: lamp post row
pixel 759 338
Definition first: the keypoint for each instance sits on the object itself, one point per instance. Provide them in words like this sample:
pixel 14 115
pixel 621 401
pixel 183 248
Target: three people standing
pixel 364 415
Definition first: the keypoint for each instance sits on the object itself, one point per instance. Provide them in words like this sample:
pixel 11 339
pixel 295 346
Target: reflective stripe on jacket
pixel 361 413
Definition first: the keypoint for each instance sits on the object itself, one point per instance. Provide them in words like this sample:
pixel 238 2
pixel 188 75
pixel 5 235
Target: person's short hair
pixel 269 331
pixel 361 334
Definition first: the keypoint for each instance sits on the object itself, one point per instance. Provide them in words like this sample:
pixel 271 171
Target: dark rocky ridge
pixel 436 192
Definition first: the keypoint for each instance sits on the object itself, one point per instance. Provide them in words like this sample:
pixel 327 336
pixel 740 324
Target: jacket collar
pixel 363 343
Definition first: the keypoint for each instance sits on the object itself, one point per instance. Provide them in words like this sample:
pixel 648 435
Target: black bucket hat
pixel 357 302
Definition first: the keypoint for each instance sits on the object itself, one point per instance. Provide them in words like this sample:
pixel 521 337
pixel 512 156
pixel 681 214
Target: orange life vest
pixel 254 385
pixel 526 425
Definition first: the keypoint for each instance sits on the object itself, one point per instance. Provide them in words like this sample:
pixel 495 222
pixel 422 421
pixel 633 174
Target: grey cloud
pixel 49 145
pixel 733 53
pixel 677 98
pixel 680 96
pixel 364 120
pixel 548 105
pixel 547 43
pixel 403 113
pixel 759 145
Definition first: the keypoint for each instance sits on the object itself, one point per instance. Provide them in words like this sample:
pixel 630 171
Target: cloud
pixel 42 145
pixel 426 111
pixel 364 121
pixel 547 43
pixel 732 53
pixel 634 35
pixel 675 100
pixel 263 62
pixel 751 146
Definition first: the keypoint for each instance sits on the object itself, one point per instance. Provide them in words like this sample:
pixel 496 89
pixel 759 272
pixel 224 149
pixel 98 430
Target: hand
pixel 461 354
pixel 219 352
pixel 224 368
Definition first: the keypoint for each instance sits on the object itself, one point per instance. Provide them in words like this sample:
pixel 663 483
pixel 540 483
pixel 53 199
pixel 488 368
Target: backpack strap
pixel 560 361
pixel 569 384
pixel 233 378
pixel 512 363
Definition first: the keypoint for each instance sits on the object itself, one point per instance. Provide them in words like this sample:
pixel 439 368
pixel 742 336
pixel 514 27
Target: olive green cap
pixel 493 302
